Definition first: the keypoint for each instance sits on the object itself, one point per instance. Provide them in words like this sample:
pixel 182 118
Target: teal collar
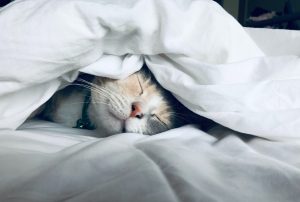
pixel 84 122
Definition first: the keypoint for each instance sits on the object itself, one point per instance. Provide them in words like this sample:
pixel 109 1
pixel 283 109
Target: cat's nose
pixel 136 110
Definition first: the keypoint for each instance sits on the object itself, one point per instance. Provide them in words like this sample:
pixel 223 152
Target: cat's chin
pixel 112 125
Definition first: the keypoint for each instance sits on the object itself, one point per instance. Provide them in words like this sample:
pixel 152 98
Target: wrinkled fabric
pixel 245 79
pixel 45 43
pixel 194 48
pixel 47 162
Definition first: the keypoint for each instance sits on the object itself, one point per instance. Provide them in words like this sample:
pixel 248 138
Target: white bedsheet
pixel 46 162
pixel 246 80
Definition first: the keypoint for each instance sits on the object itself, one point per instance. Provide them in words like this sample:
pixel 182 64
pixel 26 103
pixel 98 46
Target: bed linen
pixel 244 79
pixel 47 162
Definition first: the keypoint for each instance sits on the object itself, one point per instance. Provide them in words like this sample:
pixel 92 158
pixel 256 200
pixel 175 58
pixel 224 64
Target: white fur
pixel 69 110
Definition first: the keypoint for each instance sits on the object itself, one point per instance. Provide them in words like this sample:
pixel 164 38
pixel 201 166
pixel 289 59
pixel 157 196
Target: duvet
pixel 246 80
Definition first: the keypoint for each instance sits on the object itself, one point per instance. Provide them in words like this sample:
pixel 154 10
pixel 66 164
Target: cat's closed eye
pixel 157 118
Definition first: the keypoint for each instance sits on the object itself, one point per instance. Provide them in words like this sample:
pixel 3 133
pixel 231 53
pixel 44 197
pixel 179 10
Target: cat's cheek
pixel 113 125
pixel 109 127
pixel 105 123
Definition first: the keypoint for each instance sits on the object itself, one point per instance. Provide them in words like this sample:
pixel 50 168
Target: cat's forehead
pixel 133 79
pixel 130 84
pixel 139 84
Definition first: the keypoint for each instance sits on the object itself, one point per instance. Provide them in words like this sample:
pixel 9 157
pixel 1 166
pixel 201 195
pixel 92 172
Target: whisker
pixel 180 117
pixel 161 122
pixel 112 96
pixel 98 87
pixel 74 103
pixel 177 113
pixel 86 86
pixel 104 92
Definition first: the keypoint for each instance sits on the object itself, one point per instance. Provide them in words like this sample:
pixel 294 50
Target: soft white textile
pixel 247 80
pixel 194 48
pixel 43 42
pixel 49 163
pixel 276 42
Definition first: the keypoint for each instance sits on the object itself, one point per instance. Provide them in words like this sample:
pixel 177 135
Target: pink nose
pixel 136 110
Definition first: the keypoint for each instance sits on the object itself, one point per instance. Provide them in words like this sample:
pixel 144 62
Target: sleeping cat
pixel 135 104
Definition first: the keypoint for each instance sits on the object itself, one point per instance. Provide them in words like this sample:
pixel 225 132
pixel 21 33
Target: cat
pixel 136 104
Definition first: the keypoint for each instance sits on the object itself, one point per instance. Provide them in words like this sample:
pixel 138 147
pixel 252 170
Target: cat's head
pixel 135 104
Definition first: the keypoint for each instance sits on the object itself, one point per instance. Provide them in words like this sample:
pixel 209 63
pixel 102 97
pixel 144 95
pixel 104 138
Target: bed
pixel 246 80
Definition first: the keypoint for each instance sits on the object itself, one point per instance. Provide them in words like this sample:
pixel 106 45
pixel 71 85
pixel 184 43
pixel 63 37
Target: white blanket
pixel 45 162
pixel 245 80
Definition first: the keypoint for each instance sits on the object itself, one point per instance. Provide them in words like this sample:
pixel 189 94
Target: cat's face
pixel 135 104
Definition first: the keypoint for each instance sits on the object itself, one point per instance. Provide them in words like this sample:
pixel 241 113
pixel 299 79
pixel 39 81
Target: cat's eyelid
pixel 154 115
pixel 142 90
